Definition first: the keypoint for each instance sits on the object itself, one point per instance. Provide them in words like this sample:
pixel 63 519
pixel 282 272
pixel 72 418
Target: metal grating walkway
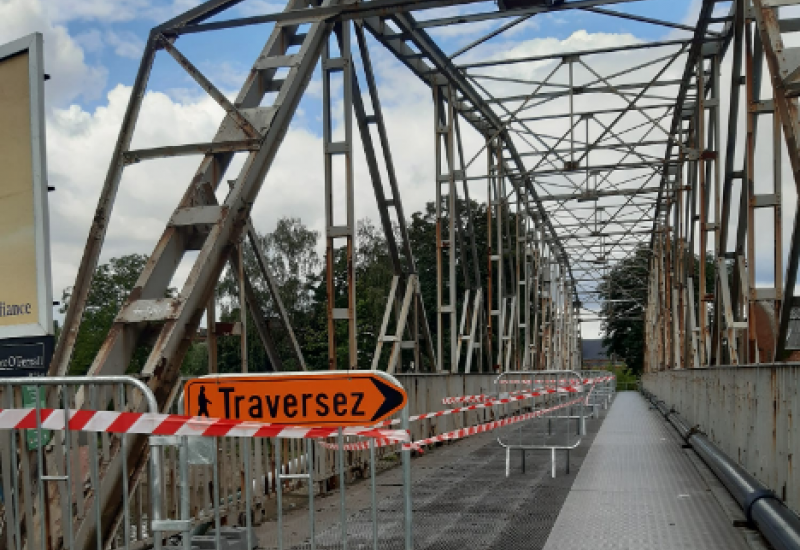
pixel 461 498
pixel 638 489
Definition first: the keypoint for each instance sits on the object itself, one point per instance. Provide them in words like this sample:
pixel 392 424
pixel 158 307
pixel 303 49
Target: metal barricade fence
pixel 177 486
pixel 287 467
pixel 425 394
pixel 603 390
pixel 560 397
pixel 65 472
pixel 53 482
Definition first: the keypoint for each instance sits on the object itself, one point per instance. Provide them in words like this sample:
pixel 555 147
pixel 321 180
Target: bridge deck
pixel 639 489
pixel 631 486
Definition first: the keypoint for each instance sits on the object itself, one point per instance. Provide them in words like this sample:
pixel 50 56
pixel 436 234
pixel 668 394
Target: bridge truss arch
pixel 677 144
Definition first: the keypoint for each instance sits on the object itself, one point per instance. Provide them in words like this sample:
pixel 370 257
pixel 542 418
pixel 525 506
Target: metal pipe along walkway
pixel 638 488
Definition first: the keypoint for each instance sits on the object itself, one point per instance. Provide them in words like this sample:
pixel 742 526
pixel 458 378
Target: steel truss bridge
pixel 684 146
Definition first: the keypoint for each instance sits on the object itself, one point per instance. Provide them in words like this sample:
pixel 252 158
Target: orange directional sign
pixel 303 399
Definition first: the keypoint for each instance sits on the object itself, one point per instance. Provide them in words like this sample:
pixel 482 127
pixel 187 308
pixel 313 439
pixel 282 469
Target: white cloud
pixel 125 44
pixel 80 144
pixel 72 76
pixel 105 10
pixel 90 41
pixel 116 10
pixel 81 141
pixel 260 7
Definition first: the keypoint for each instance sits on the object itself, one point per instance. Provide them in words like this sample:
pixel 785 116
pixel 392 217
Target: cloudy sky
pixel 92 50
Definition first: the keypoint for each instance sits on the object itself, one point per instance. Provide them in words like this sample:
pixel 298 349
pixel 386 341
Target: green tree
pixel 624 296
pixel 111 285
pixel 422 235
pixel 196 361
pixel 291 255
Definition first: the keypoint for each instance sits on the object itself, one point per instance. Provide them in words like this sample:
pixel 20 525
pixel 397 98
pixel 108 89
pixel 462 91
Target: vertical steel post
pixel 373 497
pixel 183 476
pixel 334 229
pixel 43 504
pixel 215 495
pixel 248 492
pixel 310 469
pixel 123 440
pixel 445 247
pixel 408 512
pixel 342 502
pixel 279 489
pixel 242 309
pixel 68 457
pixel 94 471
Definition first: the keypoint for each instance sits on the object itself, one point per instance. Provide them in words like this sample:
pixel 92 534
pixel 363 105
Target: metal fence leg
pixel 183 473
pixel 155 491
pixel 583 419
pixel 248 495
pixel 374 497
pixel 310 470
pixel 215 496
pixel 279 490
pixel 40 468
pixel 342 502
pixel 123 440
pixel 407 488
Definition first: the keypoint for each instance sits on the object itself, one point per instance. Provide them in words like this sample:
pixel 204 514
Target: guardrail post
pixel 407 487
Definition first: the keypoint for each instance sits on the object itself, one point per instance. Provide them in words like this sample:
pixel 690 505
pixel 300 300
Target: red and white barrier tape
pixel 363 445
pixel 560 382
pixel 491 400
pixel 458 434
pixel 173 424
pixel 480 428
pixel 482 398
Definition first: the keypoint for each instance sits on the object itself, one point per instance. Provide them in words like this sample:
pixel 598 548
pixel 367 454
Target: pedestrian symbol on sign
pixel 203 402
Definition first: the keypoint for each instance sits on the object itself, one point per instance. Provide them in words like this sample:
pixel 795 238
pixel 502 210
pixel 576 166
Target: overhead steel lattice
pixel 585 156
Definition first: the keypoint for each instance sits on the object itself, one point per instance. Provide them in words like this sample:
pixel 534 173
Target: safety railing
pixel 53 480
pixel 272 467
pixel 561 397
pixel 59 454
pixel 180 485
pixel 425 396
pixel 603 390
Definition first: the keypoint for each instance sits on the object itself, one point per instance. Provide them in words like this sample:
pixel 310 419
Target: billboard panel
pixel 25 287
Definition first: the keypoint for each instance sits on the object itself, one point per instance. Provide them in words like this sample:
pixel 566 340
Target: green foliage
pixel 624 295
pixel 111 285
pixel 293 258
pixel 626 378
pixel 422 235
pixel 196 361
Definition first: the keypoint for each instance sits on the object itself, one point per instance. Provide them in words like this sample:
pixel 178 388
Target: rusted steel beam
pixel 138 155
pixel 783 69
pixel 97 232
